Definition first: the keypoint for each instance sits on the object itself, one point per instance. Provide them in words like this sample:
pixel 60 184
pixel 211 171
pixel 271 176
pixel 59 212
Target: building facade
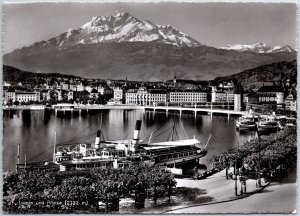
pixel 187 97
pixel 22 96
pixel 119 94
pixel 222 97
pixel 291 103
pixel 271 94
pixel 144 97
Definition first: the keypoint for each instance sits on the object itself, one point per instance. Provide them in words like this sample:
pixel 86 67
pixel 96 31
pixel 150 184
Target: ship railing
pixel 31 166
pixel 178 156
pixel 174 151
pixel 96 159
pixel 39 163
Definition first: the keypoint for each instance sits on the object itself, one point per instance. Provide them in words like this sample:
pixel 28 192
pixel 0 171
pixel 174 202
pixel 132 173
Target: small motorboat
pixel 268 123
pixel 291 122
pixel 247 122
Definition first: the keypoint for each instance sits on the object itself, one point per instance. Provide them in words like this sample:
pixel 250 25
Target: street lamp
pixel 258 174
pixel 235 176
pixel 227 166
pixel 243 181
pixel 236 169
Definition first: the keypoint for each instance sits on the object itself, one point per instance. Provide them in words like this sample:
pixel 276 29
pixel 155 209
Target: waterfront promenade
pixel 278 196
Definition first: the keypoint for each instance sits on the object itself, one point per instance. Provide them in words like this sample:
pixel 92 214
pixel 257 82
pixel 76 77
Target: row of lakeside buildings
pixel 266 95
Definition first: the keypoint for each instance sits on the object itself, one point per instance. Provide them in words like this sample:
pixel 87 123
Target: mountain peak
pixel 121 27
pixel 258 48
pixel 118 14
pixel 260 44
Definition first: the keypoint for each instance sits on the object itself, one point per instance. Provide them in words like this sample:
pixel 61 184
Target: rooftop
pixel 24 92
pixel 186 90
pixel 157 91
pixel 272 88
pixel 171 144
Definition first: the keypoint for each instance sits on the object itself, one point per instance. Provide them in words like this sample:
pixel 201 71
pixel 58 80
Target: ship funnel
pixel 97 141
pixel 136 135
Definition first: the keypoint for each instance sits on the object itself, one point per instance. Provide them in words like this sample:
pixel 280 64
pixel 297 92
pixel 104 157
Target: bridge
pixel 166 109
pixel 195 110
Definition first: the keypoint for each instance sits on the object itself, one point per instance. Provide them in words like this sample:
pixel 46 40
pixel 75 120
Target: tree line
pixel 94 190
pixel 266 155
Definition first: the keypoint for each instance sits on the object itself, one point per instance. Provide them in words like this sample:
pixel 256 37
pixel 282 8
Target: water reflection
pixel 35 131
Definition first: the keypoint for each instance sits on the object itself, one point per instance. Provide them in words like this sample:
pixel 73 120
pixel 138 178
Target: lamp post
pixel 227 166
pixel 235 176
pixel 243 181
pixel 236 170
pixel 258 174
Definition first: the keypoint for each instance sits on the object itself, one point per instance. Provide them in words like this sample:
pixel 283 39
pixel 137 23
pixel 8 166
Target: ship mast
pixel 149 141
pixel 207 141
pixel 18 158
pixel 18 154
pixel 25 160
pixel 173 130
pixel 54 147
pixel 101 121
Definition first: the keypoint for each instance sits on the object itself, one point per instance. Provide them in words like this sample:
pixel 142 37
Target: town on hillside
pixel 50 90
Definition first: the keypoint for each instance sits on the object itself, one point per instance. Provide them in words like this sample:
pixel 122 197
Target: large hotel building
pixel 187 97
pixel 142 96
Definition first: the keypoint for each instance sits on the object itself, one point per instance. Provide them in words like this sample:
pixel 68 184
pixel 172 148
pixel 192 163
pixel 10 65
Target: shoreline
pixel 91 107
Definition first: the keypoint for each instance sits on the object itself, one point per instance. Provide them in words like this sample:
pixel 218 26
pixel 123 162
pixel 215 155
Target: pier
pixel 195 110
pixel 86 109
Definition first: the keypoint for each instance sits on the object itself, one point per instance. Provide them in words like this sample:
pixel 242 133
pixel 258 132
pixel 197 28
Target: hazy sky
pixel 213 24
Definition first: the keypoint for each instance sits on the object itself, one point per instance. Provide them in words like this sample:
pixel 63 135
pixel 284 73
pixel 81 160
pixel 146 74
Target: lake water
pixel 35 130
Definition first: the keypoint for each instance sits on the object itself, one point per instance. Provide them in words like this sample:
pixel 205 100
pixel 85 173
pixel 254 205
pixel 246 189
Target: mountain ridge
pixel 280 71
pixel 120 27
pixel 255 77
pixel 140 61
pixel 139 50
pixel 258 48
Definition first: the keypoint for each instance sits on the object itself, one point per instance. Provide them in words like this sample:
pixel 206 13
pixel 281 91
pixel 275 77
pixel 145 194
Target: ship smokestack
pixel 97 140
pixel 136 135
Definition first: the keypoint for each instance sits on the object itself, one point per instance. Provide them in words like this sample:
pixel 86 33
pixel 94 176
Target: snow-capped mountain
pixel 120 27
pixel 122 46
pixel 285 48
pixel 259 48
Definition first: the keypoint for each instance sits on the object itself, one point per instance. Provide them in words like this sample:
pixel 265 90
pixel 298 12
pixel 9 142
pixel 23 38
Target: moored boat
pixel 247 122
pixel 122 153
pixel 268 123
pixel 291 122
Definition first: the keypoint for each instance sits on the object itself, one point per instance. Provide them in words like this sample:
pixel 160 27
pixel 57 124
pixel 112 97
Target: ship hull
pixel 244 127
pixel 267 128
pixel 179 160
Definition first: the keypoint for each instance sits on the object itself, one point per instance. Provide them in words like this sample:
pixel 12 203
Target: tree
pixel 274 150
pixel 93 186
